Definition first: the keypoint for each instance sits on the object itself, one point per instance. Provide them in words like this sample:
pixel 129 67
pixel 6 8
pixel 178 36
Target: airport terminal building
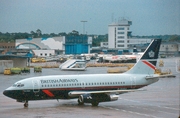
pixel 56 45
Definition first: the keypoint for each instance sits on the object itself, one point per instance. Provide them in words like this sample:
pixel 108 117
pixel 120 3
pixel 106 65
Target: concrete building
pixel 104 44
pixel 139 44
pixel 4 47
pixel 5 64
pixel 118 34
pixel 10 57
pixel 44 53
pixel 178 47
pixel 170 49
pixel 17 61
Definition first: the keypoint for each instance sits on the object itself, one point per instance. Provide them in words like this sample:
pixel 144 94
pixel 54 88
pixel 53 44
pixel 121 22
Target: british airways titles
pixel 58 81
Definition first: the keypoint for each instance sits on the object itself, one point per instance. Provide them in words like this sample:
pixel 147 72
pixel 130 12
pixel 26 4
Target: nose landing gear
pixel 26 104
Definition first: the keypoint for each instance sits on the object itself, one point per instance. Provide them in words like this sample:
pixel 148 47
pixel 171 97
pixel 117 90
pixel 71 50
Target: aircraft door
pixel 133 81
pixel 35 85
pixel 83 85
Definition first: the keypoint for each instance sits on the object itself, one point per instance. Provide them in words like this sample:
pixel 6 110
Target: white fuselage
pixel 84 82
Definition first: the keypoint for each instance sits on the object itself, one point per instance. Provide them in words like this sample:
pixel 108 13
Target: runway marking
pixel 159 111
pixel 132 112
pixel 172 108
pixel 153 106
pixel 150 104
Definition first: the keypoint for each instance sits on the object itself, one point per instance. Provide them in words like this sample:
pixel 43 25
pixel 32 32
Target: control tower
pixel 118 34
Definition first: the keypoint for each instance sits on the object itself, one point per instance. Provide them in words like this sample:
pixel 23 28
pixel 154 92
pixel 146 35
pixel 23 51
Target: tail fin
pixel 147 62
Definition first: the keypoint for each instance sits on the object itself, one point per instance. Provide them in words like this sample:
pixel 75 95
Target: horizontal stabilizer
pixel 160 76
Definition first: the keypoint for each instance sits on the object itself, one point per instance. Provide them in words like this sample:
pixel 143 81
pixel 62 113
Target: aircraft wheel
pixel 26 104
pixel 80 103
pixel 80 100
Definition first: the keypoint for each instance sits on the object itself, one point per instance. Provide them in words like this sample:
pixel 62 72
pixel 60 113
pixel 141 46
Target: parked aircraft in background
pixel 89 88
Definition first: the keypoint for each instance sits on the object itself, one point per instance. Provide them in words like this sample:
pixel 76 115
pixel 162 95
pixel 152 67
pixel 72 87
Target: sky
pixel 149 17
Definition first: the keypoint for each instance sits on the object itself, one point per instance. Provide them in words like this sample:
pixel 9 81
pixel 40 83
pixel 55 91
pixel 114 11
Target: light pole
pixel 83 21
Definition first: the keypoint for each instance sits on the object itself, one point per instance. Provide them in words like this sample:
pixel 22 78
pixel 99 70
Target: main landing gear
pixel 26 104
pixel 95 104
pixel 81 101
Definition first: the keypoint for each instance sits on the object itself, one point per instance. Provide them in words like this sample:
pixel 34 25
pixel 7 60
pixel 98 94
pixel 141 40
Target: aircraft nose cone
pixel 5 93
pixel 8 93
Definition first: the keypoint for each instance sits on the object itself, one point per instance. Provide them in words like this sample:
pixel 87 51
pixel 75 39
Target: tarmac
pixel 160 100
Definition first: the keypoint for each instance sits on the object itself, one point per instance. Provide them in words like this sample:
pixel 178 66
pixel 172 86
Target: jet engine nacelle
pixel 96 98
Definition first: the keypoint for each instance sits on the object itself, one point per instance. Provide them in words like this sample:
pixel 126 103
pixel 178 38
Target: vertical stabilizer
pixel 147 62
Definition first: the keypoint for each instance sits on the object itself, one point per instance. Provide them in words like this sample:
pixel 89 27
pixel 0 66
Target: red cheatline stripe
pixel 149 64
pixel 48 93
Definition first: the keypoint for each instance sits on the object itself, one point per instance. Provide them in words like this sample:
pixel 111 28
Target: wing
pixel 77 93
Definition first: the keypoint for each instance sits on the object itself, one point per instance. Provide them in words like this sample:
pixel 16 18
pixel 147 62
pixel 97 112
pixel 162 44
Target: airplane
pixel 89 88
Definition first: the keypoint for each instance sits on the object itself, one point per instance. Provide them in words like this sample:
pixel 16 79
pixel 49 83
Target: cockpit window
pixel 18 85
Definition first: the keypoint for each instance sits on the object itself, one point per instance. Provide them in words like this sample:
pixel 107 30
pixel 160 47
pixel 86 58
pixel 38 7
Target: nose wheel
pixel 26 104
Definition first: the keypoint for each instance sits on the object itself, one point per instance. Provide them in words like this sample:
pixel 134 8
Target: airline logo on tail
pixel 151 54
